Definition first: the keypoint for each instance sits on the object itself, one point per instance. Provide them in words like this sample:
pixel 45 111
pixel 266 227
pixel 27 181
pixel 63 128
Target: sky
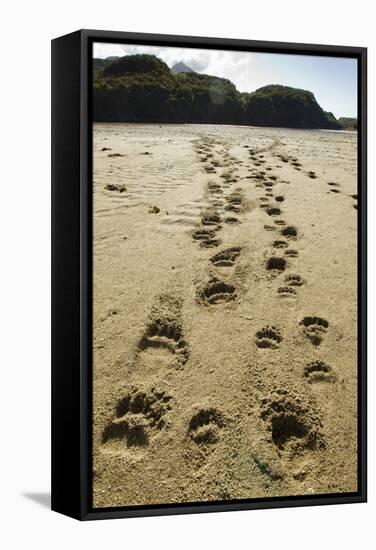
pixel 332 80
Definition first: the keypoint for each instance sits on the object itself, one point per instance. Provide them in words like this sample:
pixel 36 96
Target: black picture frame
pixel 72 273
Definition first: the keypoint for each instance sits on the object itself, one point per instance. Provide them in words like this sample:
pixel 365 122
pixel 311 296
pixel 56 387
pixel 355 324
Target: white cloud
pixel 236 66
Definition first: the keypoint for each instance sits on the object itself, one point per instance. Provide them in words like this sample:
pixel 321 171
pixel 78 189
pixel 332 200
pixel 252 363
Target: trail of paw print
pixel 276 265
pixel 291 253
pixel 211 218
pixel 203 148
pixel 138 416
pixel 205 426
pixel 291 281
pixel 268 337
pixel 311 174
pixel 315 329
pixel 318 371
pixel 297 165
pixel 216 291
pixel 234 202
pixel 162 345
pixel 206 232
pixel 294 423
pixel 335 188
pixel 227 257
pixel 286 292
pixel 289 233
pixel 206 235
pixel 272 210
pixel 166 332
pixel 214 188
pixel 278 243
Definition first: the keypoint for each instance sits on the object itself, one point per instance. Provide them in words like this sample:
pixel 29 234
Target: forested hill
pixel 348 123
pixel 142 88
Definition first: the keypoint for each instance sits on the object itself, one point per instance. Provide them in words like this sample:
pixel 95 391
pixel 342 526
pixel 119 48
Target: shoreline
pixel 224 124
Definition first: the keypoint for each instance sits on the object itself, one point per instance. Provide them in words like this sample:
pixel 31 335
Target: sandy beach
pixel 225 313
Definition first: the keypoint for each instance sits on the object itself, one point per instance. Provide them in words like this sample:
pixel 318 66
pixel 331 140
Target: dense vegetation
pixel 283 106
pixel 348 123
pixel 142 88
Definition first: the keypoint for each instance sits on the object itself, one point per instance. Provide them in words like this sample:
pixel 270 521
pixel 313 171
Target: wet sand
pixel 225 313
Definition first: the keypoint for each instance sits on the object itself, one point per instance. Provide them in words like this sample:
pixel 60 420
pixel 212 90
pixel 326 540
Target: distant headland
pixel 142 88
